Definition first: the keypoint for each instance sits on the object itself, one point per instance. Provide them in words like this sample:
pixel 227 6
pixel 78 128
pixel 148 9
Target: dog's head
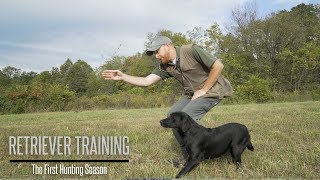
pixel 180 120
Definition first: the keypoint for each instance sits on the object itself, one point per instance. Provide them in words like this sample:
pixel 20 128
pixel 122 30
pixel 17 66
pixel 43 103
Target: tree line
pixel 271 59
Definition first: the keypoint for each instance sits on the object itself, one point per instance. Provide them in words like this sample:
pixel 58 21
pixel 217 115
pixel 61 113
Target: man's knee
pixel 193 115
pixel 178 106
pixel 200 107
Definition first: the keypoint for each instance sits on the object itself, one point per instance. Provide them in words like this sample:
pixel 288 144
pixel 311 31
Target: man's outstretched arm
pixel 138 81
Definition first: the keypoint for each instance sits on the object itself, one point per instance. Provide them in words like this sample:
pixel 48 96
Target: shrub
pixel 255 89
pixel 315 93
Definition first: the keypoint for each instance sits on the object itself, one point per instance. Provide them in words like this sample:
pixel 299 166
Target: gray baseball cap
pixel 156 43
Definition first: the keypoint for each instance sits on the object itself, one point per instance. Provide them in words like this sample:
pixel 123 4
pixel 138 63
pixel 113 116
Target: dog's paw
pixel 239 168
pixel 175 162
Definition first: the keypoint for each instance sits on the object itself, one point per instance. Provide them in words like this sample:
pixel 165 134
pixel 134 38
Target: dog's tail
pixel 250 146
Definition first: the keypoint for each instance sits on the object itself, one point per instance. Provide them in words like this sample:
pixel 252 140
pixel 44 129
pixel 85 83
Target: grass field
pixel 286 137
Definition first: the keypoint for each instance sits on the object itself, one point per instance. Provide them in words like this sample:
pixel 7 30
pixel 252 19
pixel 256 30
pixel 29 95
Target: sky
pixel 36 35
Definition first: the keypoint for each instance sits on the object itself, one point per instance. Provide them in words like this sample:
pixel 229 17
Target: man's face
pixel 162 54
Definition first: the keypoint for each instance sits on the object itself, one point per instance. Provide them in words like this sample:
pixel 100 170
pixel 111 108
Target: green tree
pixel 258 42
pixel 209 38
pixel 58 96
pixel 95 84
pixel 27 77
pixel 65 67
pixel 56 75
pixel 11 72
pixel 77 77
pixel 43 78
pixel 303 66
pixel 4 79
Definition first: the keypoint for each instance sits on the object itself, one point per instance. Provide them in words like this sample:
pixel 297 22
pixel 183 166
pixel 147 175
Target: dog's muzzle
pixel 163 123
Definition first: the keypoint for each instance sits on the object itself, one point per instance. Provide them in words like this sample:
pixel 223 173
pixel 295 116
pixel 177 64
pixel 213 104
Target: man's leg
pixel 197 108
pixel 179 105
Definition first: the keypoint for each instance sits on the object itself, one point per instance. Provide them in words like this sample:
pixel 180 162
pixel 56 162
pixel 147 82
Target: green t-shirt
pixel 202 56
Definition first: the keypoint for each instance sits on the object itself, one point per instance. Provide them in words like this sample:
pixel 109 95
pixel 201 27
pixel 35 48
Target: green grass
pixel 286 137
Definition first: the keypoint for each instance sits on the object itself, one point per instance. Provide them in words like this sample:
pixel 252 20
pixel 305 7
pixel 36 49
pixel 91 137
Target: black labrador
pixel 202 143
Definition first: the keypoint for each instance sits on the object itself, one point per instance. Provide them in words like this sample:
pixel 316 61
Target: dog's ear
pixel 178 116
pixel 185 120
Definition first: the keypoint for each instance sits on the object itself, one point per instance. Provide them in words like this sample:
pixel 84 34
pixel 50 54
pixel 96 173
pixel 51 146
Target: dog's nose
pixel 161 121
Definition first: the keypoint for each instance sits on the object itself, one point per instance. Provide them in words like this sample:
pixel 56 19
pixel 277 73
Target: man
pixel 198 71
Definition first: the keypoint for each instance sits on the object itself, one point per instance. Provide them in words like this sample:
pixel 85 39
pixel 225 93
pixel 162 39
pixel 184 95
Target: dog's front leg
pixel 192 163
pixel 193 160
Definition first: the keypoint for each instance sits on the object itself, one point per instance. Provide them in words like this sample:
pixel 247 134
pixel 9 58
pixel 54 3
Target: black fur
pixel 202 143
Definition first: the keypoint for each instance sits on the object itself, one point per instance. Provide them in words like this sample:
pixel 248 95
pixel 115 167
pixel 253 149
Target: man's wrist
pixel 205 89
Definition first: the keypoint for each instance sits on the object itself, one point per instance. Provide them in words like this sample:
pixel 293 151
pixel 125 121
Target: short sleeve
pixel 203 57
pixel 162 74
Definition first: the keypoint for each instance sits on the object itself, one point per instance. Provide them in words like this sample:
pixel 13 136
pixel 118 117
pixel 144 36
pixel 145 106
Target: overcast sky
pixel 36 35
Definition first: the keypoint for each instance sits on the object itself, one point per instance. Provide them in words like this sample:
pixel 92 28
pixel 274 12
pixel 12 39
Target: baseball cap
pixel 156 43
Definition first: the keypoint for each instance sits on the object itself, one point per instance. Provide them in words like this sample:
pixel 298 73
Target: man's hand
pixel 214 74
pixel 112 75
pixel 198 93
